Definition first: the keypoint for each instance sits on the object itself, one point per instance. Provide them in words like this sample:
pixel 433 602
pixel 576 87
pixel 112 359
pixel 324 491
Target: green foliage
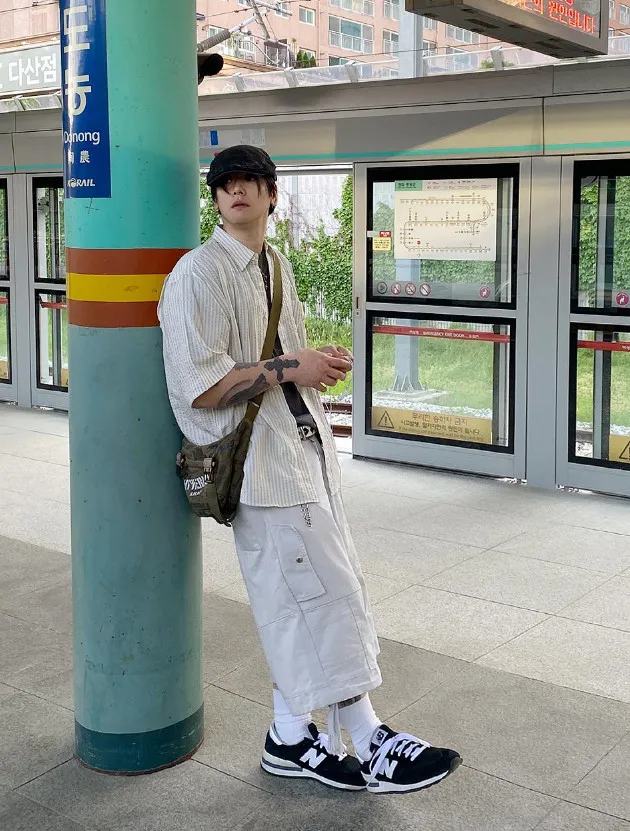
pixel 209 216
pixel 588 238
pixel 323 263
pixel 304 61
pixel 488 63
pixel 320 332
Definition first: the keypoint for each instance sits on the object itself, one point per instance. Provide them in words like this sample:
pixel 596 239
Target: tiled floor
pixel 504 617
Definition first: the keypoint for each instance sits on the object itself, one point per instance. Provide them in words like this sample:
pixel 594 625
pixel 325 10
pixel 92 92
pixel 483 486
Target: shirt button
pixel 299 560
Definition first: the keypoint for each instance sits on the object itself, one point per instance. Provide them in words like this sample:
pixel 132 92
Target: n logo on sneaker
pixel 390 767
pixel 313 758
pixel 379 737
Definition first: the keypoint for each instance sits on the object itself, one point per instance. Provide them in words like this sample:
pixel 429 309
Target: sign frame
pixel 85 93
pixel 501 21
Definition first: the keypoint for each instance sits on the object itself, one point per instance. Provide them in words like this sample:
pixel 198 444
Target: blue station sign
pixel 86 142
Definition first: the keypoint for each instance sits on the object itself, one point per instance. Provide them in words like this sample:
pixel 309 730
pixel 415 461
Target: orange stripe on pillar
pixel 114 263
pixel 123 260
pixel 101 315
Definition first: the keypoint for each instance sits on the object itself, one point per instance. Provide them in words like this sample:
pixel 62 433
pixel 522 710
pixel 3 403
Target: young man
pixel 294 546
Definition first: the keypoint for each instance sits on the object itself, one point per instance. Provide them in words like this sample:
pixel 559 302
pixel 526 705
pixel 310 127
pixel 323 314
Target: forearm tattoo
pixel 246 365
pixel 243 391
pixel 278 365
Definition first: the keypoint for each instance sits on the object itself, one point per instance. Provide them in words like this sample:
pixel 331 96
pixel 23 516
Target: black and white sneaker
pixel 311 759
pixel 401 763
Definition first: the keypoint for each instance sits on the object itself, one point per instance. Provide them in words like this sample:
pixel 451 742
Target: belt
pixel 306 431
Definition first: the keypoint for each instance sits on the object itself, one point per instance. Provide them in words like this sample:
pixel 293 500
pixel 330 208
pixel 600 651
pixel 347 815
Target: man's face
pixel 243 199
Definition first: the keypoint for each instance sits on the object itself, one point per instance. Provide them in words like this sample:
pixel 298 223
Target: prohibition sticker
pixel 395 288
pixel 425 289
pixel 484 292
pixel 623 299
pixel 410 288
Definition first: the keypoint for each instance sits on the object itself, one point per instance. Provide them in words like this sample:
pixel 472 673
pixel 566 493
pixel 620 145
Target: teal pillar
pixel 132 210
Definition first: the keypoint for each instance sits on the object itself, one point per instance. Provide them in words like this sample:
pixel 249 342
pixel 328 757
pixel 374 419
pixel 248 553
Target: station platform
pixel 504 617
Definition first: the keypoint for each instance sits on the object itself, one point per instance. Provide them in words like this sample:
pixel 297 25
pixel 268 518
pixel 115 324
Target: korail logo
pixel 81 183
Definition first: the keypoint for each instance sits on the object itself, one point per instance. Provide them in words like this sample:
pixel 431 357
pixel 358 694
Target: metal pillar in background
pixel 410 39
pixel 132 209
pixel 407 349
pixel 602 361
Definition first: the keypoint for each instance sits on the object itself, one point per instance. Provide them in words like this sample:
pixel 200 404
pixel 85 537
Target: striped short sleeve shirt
pixel 213 313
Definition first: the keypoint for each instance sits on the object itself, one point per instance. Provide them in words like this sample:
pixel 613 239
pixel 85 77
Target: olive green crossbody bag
pixel 213 473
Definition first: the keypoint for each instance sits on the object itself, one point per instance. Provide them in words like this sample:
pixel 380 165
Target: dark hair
pixel 272 186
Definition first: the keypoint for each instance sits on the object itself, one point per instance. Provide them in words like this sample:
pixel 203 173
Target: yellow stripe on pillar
pixel 115 288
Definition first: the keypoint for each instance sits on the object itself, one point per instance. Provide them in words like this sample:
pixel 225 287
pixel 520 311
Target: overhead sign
pixel 86 144
pixel 562 28
pixel 35 69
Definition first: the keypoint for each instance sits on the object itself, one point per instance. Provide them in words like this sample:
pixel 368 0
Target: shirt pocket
pixel 297 569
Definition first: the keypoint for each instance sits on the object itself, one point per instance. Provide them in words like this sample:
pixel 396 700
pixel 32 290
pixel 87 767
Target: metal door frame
pixel 485 461
pixel 8 392
pixel 40 396
pixel 574 474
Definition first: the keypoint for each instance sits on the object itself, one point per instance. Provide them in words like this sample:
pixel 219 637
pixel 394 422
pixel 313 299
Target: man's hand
pixel 318 369
pixel 337 352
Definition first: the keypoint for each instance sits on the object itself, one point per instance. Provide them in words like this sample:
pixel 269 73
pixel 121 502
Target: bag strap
pixel 270 337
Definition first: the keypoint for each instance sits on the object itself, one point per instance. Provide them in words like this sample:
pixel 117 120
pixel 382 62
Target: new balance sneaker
pixel 401 763
pixel 311 759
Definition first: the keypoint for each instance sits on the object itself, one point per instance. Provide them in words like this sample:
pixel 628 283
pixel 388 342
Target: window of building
pixel 358 6
pixel 238 46
pixel 463 35
pixel 277 53
pixel 429 47
pixel 307 16
pixel 390 42
pixel 624 15
pixel 284 10
pixel 611 9
pixel 430 24
pixel 391 9
pixel 350 35
pixel 335 60
pixel 460 60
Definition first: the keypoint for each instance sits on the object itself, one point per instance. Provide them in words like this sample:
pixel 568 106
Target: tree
pixel 304 61
pixel 209 216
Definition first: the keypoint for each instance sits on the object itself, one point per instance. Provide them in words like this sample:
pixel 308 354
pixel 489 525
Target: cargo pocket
pixel 343 639
pixel 298 571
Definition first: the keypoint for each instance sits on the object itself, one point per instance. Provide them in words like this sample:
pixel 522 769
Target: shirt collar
pixel 241 254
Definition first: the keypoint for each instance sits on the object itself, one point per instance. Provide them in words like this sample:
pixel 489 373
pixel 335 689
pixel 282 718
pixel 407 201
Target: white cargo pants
pixel 308 596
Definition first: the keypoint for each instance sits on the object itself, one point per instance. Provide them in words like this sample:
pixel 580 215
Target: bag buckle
pixel 209 468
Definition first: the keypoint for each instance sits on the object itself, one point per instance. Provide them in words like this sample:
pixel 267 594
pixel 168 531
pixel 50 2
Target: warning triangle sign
pixel 625 453
pixel 386 421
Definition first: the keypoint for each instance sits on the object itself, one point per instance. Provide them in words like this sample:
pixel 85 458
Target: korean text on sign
pixel 86 118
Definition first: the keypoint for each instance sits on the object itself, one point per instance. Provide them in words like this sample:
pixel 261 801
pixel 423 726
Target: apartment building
pixel 326 32
pixel 332 32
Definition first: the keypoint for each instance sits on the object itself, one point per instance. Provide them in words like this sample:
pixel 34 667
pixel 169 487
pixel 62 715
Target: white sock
pixel 360 720
pixel 291 729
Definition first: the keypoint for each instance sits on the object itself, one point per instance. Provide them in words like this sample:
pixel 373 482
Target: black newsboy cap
pixel 241 159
